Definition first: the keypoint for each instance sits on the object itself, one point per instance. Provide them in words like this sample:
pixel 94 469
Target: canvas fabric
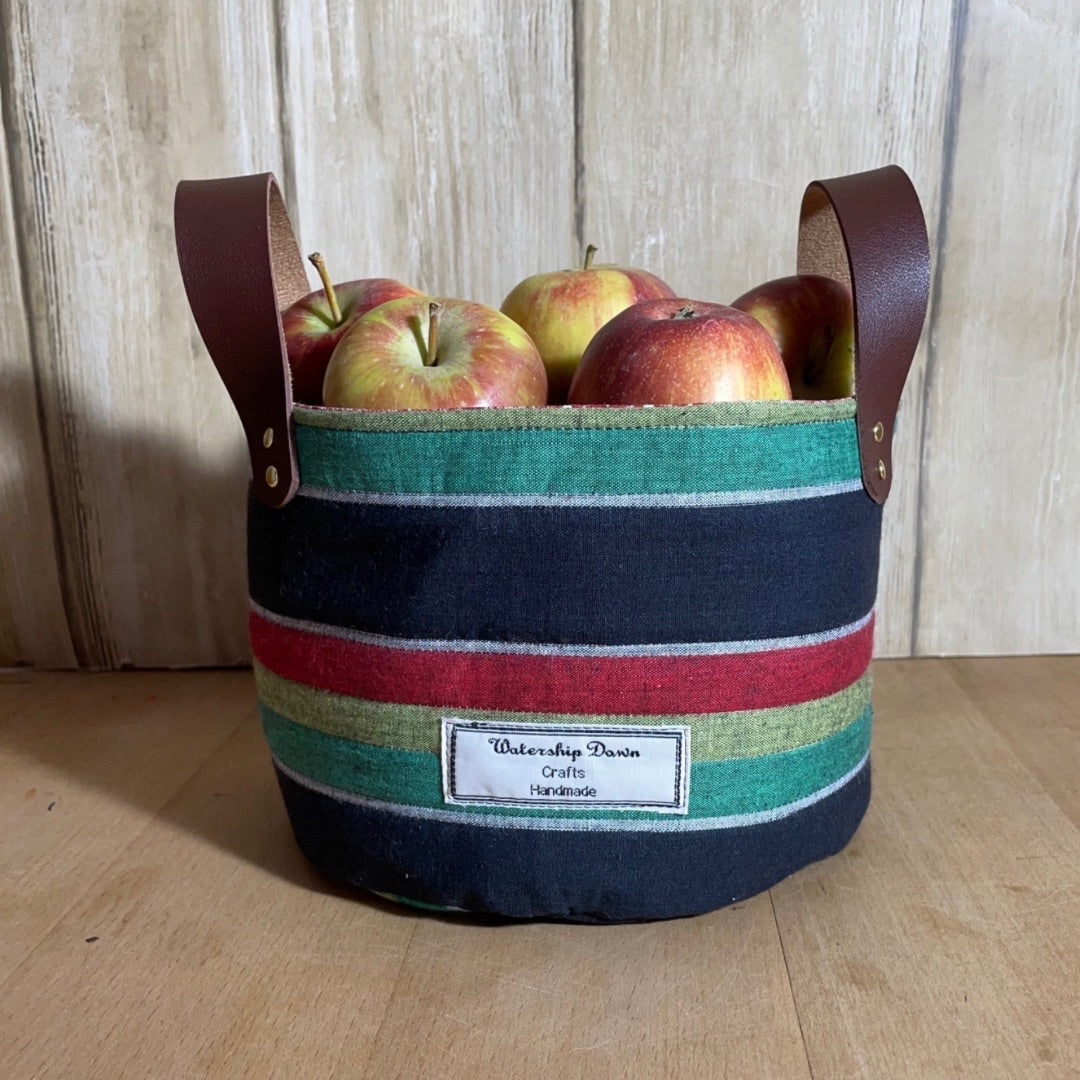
pixel 712 567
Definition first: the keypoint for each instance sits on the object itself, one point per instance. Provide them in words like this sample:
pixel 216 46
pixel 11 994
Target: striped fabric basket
pixel 595 664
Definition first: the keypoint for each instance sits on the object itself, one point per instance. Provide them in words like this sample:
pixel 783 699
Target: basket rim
pixel 578 417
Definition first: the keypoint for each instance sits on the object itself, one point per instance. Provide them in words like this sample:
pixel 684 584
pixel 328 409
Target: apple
pixel 315 324
pixel 561 311
pixel 425 353
pixel 679 352
pixel 811 320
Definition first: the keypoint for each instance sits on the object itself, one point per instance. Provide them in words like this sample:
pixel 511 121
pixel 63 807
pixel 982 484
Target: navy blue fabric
pixel 578 876
pixel 578 575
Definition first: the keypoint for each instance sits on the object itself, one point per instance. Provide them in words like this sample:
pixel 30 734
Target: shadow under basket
pixel 593 664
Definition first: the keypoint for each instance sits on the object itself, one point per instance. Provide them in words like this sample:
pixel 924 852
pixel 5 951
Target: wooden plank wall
pixel 464 145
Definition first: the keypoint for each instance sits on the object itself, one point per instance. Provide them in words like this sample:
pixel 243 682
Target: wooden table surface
pixel 157 920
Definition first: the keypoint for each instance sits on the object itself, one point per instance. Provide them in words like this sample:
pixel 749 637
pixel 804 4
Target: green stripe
pixel 713 736
pixel 723 413
pixel 409 902
pixel 717 788
pixel 592 461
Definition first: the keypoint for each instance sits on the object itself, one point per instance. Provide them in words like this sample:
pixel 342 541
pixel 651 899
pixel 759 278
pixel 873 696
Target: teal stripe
pixel 591 461
pixel 717 788
pixel 409 902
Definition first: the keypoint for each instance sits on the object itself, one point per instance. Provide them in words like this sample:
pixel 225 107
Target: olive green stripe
pixel 723 413
pixel 717 788
pixel 713 736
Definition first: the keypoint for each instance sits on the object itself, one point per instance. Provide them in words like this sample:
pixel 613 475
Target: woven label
pixel 601 766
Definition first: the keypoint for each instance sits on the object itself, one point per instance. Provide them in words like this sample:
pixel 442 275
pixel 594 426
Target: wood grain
pixel 160 920
pixel 33 624
pixel 433 143
pixel 648 1001
pixel 703 123
pixel 202 945
pixel 1033 707
pixel 1000 517
pixel 942 943
pixel 70 800
pixel 463 146
pixel 110 106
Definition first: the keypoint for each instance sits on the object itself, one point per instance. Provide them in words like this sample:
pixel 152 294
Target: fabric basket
pixel 595 664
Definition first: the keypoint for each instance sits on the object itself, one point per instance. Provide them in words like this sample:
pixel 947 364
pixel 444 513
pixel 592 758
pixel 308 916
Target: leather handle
pixel 241 268
pixel 868 229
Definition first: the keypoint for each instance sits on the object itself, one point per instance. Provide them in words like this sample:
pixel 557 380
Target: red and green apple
pixel 316 323
pixel 561 310
pixel 425 353
pixel 679 352
pixel 810 318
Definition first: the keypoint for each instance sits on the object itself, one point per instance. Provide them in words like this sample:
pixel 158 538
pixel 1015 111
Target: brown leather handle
pixel 868 229
pixel 241 268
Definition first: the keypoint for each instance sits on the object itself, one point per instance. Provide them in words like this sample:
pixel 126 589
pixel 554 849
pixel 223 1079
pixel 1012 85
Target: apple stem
pixel 331 297
pixel 590 251
pixel 432 333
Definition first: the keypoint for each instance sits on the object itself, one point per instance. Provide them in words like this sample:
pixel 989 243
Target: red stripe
pixel 650 685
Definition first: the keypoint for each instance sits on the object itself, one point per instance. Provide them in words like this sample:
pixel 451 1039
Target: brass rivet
pixel 881 470
pixel 272 476
pixel 268 438
pixel 878 430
